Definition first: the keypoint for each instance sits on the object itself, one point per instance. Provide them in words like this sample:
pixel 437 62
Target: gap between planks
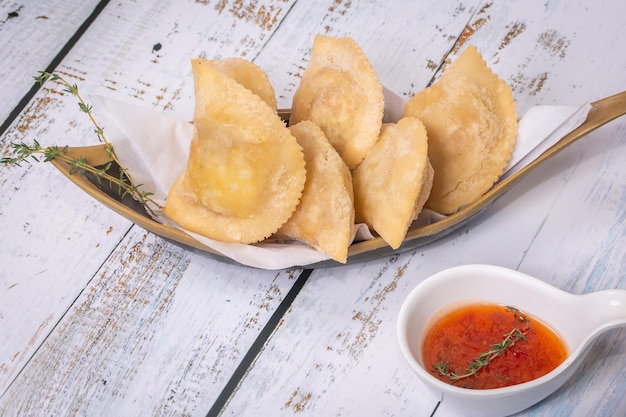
pixel 21 105
pixel 257 346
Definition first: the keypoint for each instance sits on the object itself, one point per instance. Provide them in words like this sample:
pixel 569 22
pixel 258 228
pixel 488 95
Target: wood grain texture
pixel 405 43
pixel 31 35
pixel 549 51
pixel 98 317
pixel 56 238
pixel 148 335
pixel 336 353
pixel 140 52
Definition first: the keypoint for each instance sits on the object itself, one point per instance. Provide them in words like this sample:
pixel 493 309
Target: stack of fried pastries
pixel 249 177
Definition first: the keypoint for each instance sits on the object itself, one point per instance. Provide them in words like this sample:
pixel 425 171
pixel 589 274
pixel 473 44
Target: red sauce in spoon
pixel 461 336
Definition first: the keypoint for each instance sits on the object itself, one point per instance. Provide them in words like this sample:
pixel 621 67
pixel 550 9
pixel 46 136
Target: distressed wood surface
pixel 404 43
pixel 336 353
pixel 158 331
pixel 31 35
pixel 98 317
pixel 56 239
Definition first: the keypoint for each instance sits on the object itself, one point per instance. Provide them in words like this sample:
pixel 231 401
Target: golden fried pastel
pixel 247 74
pixel 245 172
pixel 471 122
pixel 393 182
pixel 340 92
pixel 325 217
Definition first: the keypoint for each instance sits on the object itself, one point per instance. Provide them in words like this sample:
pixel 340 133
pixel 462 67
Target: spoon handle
pixel 605 309
pixel 591 314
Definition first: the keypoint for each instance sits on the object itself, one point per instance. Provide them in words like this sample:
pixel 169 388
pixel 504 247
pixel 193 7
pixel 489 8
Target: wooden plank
pixel 554 60
pixel 32 34
pixel 365 314
pixel 56 238
pixel 336 353
pixel 149 47
pixel 405 43
pixel 159 330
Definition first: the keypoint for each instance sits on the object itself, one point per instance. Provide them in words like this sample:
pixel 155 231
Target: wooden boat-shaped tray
pixel 602 112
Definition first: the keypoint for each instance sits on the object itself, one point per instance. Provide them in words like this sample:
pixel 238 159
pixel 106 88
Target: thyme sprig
pixel 485 358
pixel 24 153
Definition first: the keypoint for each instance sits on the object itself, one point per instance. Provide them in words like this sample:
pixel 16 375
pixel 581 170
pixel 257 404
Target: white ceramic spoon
pixel 578 319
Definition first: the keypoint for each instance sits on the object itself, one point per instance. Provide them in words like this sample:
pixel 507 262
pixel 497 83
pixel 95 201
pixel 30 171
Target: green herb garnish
pixel 485 358
pixel 24 153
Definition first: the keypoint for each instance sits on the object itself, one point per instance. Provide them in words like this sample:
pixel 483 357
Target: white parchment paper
pixel 154 148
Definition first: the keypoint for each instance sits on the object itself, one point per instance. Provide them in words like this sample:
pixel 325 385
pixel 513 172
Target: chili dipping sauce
pixel 458 338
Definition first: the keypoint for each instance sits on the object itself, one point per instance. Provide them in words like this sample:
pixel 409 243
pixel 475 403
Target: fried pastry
pixel 471 122
pixel 247 74
pixel 245 173
pixel 394 180
pixel 324 219
pixel 340 92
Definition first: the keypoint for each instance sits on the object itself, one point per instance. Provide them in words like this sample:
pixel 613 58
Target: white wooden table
pixel 100 318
